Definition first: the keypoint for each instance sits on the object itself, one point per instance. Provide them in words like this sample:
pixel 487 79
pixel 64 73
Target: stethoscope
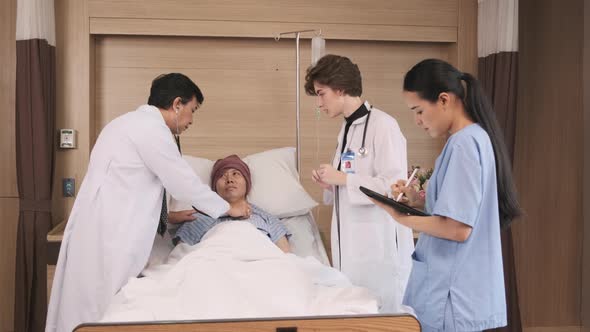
pixel 363 150
pixel 177 134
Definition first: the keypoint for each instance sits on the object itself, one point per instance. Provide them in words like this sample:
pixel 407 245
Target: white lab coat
pixel 375 250
pixel 114 219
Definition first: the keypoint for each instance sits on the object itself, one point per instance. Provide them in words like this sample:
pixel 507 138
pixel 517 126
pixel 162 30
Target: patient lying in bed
pixel 224 269
pixel 230 178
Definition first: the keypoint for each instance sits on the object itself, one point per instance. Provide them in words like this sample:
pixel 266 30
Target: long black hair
pixel 429 79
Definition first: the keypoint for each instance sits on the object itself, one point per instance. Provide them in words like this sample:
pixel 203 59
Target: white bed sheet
pixel 235 272
pixel 305 237
pixel 305 241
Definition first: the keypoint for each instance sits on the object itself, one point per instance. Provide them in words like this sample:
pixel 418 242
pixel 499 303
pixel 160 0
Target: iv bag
pixel 318 49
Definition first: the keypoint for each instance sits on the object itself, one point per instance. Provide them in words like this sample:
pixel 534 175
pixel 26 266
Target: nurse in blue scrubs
pixel 457 281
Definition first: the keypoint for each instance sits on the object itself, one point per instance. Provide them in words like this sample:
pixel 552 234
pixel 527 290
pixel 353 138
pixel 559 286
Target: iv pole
pixel 277 38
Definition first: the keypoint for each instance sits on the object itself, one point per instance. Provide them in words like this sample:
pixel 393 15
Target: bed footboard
pixel 376 323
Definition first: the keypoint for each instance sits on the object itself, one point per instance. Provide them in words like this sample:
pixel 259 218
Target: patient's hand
pixel 177 217
pixel 283 244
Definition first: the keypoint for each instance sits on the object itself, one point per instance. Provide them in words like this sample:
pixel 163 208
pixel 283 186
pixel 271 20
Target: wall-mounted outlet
pixel 67 139
pixel 69 187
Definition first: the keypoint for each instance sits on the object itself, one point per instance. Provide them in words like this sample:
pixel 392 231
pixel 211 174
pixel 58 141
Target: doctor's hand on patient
pixel 177 217
pixel 327 174
pixel 240 211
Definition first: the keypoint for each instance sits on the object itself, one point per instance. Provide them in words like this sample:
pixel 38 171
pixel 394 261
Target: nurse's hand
pixel 328 174
pixel 391 211
pixel 177 217
pixel 410 196
pixel 316 178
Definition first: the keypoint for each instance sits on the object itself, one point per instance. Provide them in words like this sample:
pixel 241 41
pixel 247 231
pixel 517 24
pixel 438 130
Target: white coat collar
pixel 153 110
pixel 148 108
pixel 362 119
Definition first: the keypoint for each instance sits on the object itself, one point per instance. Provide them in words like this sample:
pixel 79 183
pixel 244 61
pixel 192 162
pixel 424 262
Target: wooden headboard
pixel 111 50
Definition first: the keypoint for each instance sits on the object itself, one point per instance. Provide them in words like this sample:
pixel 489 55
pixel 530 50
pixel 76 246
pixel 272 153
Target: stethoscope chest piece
pixel 362 151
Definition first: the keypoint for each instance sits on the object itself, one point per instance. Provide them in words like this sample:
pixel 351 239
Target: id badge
pixel 347 162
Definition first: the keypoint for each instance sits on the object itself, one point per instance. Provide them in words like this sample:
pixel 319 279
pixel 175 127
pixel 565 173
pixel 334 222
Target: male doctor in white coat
pixel 121 205
pixel 368 246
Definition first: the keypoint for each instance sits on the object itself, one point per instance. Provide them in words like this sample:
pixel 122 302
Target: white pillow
pixel 275 183
pixel 305 238
pixel 202 168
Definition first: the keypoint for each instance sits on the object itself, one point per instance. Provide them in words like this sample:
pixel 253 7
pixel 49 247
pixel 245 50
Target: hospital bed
pixel 275 188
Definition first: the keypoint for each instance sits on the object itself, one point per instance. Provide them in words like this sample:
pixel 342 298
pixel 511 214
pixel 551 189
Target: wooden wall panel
pixel 162 27
pixel 8 185
pixel 73 45
pixel 50 275
pixel 249 88
pixel 385 12
pixel 548 163
pixel 9 218
pixel 463 53
pixel 247 108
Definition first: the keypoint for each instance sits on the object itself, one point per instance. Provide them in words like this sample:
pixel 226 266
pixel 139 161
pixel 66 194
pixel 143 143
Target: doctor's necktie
pixel 163 225
pixel 163 216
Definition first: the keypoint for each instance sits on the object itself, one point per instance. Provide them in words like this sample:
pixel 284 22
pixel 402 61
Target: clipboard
pixel 400 207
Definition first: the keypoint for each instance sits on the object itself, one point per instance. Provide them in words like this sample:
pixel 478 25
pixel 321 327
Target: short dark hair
pixel 166 87
pixel 337 72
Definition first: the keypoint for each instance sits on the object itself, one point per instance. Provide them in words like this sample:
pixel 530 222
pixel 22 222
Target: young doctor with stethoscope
pixel 368 246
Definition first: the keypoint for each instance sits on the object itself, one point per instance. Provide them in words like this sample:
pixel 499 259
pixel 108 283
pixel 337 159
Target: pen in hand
pixel 407 184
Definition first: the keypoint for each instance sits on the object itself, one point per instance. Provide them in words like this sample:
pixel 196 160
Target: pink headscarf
pixel 233 161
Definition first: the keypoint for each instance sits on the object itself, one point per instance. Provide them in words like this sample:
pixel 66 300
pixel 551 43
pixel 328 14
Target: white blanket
pixel 236 272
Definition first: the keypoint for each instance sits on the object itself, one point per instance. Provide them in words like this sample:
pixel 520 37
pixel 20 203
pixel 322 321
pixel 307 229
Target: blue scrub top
pixel 468 276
